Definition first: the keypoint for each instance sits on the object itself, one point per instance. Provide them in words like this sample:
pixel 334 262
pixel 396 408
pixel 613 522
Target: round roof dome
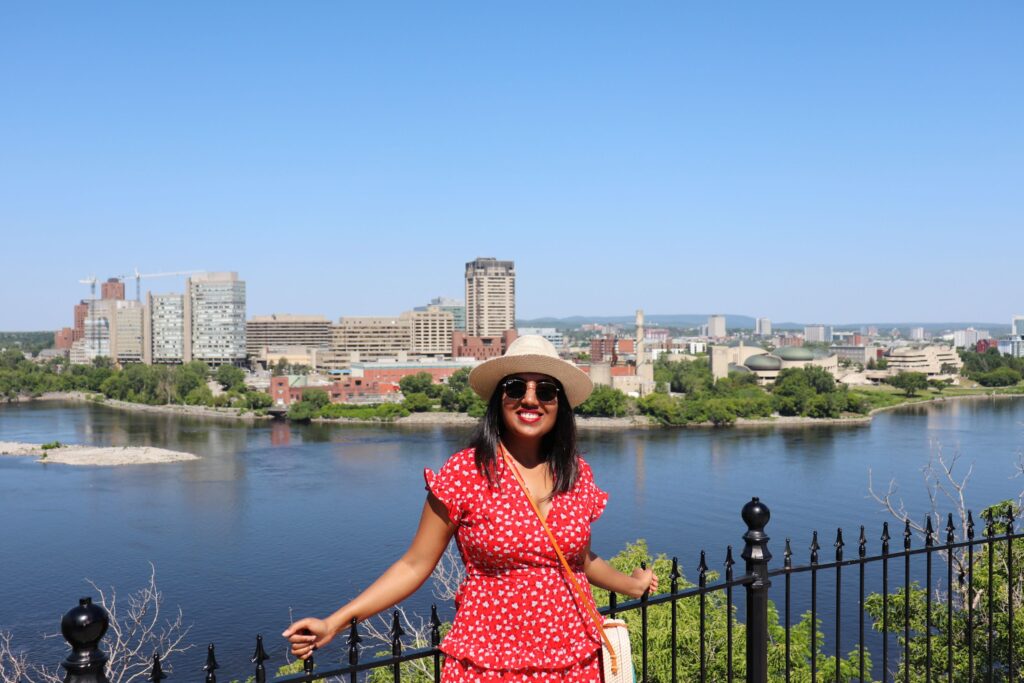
pixel 791 353
pixel 737 368
pixel 764 362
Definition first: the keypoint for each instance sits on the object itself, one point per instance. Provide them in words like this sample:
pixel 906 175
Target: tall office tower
pixel 1017 326
pixel 215 319
pixel 282 330
pixel 454 306
pixel 164 329
pixel 916 334
pixel 763 327
pixel 716 326
pixel 112 289
pixel 126 336
pixel 81 313
pixel 816 333
pixel 490 297
pixel 432 331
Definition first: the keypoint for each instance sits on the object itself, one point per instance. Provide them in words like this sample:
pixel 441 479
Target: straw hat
pixel 531 353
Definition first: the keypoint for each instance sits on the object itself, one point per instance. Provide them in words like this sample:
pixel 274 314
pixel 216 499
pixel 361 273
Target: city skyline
pixel 675 159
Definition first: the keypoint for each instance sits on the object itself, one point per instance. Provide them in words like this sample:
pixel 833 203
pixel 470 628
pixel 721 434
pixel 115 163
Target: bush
pixel 51 445
pixel 1000 377
pixel 417 402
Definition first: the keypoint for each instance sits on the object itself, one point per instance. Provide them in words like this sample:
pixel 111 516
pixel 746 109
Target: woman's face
pixel 528 416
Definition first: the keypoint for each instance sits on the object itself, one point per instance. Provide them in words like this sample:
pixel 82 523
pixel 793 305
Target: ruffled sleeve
pixel 450 485
pixel 594 499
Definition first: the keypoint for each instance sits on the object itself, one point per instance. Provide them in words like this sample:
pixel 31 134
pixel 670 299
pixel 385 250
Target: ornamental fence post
pixel 755 552
pixel 83 627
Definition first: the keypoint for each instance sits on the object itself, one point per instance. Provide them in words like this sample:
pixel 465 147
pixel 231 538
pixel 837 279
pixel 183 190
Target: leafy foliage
pixel 605 401
pixel 909 382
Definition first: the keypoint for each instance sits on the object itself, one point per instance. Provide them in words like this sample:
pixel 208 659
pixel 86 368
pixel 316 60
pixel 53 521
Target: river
pixel 278 519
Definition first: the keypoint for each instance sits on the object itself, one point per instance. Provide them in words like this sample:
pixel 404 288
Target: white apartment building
pixel 716 326
pixel 916 334
pixel 164 329
pixel 818 333
pixel 215 311
pixel 490 297
pixel 1017 326
pixel 970 337
pixel 763 327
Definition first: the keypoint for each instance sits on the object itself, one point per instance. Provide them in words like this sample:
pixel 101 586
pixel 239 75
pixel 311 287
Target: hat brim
pixel 484 378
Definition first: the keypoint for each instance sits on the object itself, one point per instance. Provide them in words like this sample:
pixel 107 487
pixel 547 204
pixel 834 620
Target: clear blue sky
pixel 804 161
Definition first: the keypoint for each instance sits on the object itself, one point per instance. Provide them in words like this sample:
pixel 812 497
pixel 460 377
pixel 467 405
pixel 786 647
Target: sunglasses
pixel 515 389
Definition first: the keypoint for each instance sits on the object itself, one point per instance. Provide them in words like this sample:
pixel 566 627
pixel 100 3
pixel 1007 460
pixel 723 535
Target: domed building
pixel 764 365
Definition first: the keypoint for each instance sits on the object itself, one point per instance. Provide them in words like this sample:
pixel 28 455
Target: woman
pixel 518 616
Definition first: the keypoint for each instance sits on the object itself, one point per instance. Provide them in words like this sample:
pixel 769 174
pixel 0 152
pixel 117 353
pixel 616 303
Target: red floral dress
pixel 517 617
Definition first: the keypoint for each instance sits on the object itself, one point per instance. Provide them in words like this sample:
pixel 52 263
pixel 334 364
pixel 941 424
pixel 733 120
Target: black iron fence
pixel 950 617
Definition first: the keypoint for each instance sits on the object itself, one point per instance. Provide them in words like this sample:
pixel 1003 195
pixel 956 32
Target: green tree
pixel 317 398
pixel 940 384
pixel 419 383
pixel 909 382
pixel 302 411
pixel 1000 377
pixel 604 401
pixel 230 377
pixel 258 400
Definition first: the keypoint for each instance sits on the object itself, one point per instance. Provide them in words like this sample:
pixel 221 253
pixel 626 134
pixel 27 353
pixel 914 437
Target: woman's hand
pixel 645 580
pixel 306 635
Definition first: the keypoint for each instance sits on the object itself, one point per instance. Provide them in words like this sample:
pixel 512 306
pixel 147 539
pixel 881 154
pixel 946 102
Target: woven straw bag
pixel 616 652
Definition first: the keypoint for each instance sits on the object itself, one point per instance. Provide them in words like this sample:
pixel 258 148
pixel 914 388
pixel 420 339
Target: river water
pixel 282 519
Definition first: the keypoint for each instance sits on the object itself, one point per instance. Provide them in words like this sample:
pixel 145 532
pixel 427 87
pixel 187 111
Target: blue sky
pixel 803 161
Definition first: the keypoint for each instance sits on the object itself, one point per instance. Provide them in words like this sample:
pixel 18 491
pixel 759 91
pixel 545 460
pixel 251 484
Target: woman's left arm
pixel 603 575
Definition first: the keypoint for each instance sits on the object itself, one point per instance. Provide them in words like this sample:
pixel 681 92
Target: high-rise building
pixel 215 318
pixel 431 331
pixel 164 329
pixel 454 306
pixel 556 338
pixel 1017 326
pixel 916 334
pixel 818 333
pixel 284 330
pixel 716 326
pixel 112 289
pixel 490 297
pixel 127 331
pixel 763 327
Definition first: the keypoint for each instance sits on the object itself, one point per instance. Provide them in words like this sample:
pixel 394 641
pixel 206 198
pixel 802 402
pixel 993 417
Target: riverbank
pixel 167 408
pixel 435 419
pixel 95 456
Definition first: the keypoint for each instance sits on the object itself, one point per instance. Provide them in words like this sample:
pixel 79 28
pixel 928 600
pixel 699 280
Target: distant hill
pixel 735 321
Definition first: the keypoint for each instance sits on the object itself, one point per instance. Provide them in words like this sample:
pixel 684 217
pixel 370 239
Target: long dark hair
pixel 557 447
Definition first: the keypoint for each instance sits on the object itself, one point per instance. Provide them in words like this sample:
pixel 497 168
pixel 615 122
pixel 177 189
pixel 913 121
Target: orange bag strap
pixel 573 581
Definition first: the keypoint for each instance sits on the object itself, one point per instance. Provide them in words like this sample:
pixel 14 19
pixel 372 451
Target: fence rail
pixel 960 626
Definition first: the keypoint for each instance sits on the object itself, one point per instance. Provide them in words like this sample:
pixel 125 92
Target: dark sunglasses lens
pixel 515 388
pixel 546 392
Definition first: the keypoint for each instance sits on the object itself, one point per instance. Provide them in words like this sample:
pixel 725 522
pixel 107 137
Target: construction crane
pixel 138 278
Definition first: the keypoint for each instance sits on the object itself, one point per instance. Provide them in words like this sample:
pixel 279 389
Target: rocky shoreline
pixel 95 456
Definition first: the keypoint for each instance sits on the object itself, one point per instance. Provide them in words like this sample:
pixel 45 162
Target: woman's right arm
pixel 398 582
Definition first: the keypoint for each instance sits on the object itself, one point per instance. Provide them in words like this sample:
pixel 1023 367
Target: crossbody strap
pixel 569 573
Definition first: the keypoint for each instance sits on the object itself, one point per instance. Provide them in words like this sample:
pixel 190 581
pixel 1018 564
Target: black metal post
pixel 756 554
pixel 83 627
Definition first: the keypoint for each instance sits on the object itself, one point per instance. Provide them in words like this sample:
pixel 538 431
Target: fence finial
pixel 757 556
pixel 83 627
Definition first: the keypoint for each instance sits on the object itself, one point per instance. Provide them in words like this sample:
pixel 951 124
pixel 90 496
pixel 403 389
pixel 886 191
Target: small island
pixel 94 456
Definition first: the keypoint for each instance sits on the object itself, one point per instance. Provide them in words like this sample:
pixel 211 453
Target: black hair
pixel 557 447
